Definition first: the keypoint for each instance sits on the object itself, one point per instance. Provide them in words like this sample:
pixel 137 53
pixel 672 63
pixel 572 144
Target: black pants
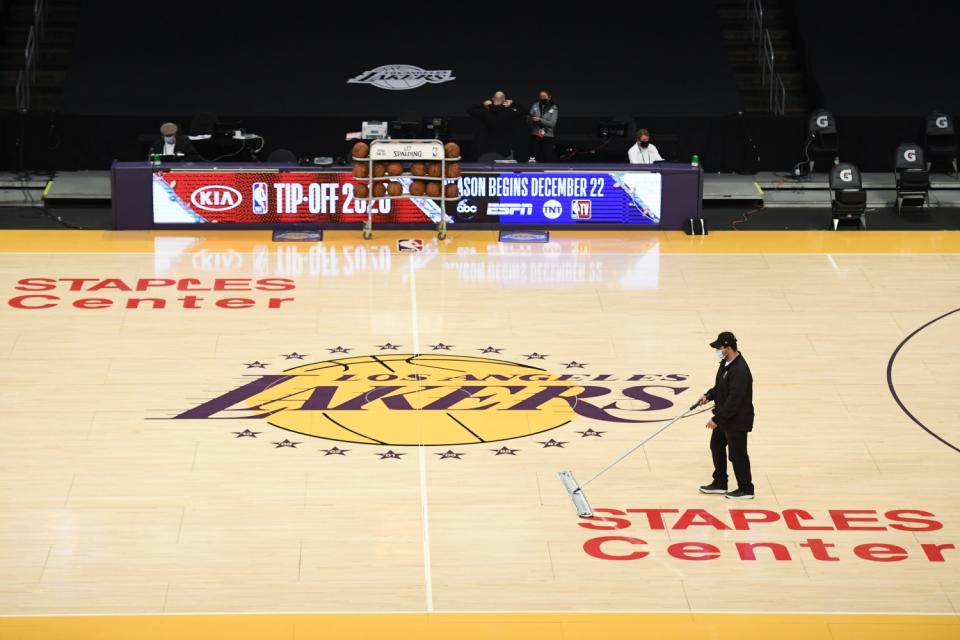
pixel 543 149
pixel 737 442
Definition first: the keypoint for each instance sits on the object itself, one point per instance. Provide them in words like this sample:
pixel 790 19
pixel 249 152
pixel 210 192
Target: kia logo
pixel 823 121
pixel 216 197
pixel 910 155
pixel 942 122
pixel 846 175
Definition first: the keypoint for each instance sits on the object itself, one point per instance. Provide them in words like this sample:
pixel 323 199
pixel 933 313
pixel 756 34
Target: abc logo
pixel 910 155
pixel 552 209
pixel 846 175
pixel 466 206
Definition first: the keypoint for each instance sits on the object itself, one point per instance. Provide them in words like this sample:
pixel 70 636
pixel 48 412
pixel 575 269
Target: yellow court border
pixel 506 626
pixel 600 242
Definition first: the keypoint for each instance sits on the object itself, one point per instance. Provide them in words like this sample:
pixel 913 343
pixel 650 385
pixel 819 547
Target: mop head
pixel 576 494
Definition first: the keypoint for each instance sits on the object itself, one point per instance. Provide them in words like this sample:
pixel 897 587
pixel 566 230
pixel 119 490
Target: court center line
pixel 421 452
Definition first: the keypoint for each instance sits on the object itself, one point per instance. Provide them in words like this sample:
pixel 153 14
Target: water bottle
pixel 695 161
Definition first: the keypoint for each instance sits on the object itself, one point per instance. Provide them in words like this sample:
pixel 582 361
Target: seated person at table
pixel 171 144
pixel 643 152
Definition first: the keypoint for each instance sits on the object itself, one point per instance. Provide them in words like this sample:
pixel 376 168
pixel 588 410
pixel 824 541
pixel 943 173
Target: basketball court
pixel 210 434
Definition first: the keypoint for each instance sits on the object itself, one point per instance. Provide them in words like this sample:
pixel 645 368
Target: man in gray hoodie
pixel 543 128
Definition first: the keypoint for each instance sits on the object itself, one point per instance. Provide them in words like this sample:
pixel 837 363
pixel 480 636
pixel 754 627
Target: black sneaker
pixel 713 487
pixel 739 495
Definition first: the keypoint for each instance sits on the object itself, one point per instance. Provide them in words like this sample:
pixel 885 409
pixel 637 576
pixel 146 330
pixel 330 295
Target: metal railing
pixel 40 16
pixel 23 92
pixel 755 9
pixel 778 96
pixel 766 58
pixel 31 55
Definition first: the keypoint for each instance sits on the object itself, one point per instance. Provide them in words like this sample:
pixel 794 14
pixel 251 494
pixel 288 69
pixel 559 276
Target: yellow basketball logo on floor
pixel 436 399
pixel 409 399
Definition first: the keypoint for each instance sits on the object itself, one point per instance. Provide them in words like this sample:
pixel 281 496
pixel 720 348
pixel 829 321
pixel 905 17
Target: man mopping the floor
pixel 732 396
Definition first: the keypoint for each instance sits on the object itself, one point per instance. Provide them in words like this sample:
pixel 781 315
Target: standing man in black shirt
pixel 499 120
pixel 732 395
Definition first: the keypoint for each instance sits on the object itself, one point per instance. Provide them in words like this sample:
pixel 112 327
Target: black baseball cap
pixel 725 339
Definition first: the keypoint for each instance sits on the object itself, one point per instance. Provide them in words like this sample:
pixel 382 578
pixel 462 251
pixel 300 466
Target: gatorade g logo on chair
pixel 910 155
pixel 823 121
pixel 846 175
pixel 438 399
pixel 942 122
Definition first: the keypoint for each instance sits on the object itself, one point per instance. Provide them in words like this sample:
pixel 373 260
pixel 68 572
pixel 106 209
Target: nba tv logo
pixel 581 209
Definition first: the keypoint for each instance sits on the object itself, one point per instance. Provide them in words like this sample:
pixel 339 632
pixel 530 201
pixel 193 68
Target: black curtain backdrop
pixel 282 71
pixel 881 58
pixel 294 59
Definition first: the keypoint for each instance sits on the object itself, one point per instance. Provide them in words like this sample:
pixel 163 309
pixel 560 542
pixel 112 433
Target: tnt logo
pixel 509 209
pixel 581 209
pixel 216 197
pixel 552 209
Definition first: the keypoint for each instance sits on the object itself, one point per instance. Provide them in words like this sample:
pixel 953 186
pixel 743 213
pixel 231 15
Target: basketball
pixel 433 169
pixel 418 168
pixel 360 150
pixel 360 190
pixel 379 170
pixel 379 190
pixel 395 189
pixel 417 188
pixel 451 150
pixel 433 189
pixel 394 168
pixel 452 191
pixel 360 170
pixel 453 170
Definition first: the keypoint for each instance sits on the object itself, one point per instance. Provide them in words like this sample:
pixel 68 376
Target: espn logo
pixel 581 209
pixel 507 209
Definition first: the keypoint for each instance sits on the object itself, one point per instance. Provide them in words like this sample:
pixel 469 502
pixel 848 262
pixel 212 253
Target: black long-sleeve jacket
pixel 732 396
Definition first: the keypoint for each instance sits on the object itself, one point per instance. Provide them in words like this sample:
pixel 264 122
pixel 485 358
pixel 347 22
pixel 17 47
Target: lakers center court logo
pixel 437 399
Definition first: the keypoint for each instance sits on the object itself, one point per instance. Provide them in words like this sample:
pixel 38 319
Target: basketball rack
pixel 407 152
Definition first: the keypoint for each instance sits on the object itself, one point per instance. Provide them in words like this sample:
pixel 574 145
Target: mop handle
pixel 645 441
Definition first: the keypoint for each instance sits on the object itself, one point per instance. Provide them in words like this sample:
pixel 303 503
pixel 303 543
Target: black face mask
pixel 544 103
pixel 644 144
